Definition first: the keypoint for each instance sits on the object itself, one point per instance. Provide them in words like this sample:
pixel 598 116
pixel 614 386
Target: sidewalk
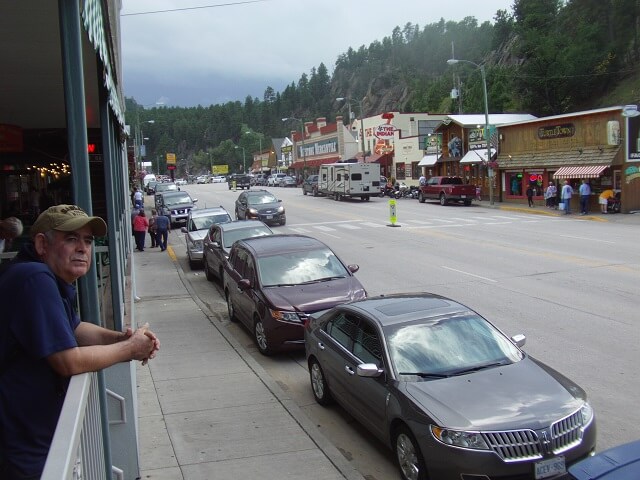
pixel 594 216
pixel 206 409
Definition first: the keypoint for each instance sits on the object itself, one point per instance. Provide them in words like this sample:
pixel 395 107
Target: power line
pixel 191 8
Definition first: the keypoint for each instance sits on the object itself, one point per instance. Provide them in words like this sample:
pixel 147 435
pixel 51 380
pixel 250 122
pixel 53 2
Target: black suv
pixel 242 181
pixel 176 206
pixel 260 205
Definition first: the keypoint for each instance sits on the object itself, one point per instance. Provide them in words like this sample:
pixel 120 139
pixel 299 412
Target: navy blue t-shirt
pixel 162 223
pixel 38 319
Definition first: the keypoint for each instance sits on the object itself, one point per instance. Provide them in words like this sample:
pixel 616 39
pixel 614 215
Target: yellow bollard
pixel 234 185
pixel 392 213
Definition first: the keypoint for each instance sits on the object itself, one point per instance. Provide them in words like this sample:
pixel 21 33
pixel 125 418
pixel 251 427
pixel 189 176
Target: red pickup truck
pixel 447 189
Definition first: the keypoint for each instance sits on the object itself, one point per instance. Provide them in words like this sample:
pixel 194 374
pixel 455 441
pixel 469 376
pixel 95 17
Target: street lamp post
pixel 244 165
pixel 453 61
pixel 304 153
pixel 359 102
pixel 260 142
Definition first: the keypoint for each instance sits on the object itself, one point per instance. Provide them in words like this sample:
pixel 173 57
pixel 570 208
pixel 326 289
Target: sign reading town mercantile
pixel 556 131
pixel 318 148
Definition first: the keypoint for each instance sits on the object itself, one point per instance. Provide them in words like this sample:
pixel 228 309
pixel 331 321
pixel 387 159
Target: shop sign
pixel 556 131
pixel 318 148
pixel 171 158
pixel 384 131
pixel 633 142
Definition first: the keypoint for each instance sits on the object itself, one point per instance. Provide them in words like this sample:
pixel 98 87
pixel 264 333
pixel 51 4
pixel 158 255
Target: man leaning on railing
pixel 43 342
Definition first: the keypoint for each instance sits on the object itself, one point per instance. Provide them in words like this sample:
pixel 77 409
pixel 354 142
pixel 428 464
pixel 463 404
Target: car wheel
pixel 315 192
pixel 193 264
pixel 408 455
pixel 318 383
pixel 467 202
pixel 443 199
pixel 304 192
pixel 230 309
pixel 260 336
pixel 207 272
pixel 283 221
pixel 421 198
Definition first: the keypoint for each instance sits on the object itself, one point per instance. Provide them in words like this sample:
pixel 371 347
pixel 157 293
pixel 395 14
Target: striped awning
pixel 582 171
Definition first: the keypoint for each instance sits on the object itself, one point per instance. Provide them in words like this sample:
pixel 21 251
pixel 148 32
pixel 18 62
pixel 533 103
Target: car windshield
pixel 232 235
pixel 300 267
pixel 261 199
pixel 161 187
pixel 178 200
pixel 449 346
pixel 201 223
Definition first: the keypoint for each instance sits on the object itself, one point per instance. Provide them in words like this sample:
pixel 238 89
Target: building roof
pixel 473 120
pixel 566 115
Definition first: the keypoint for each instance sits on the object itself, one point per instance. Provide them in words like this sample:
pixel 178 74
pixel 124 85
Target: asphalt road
pixel 569 285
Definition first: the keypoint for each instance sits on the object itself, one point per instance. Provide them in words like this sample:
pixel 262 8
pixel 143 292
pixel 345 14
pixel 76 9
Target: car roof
pixel 281 243
pixel 240 224
pixel 169 194
pixel 406 307
pixel 205 212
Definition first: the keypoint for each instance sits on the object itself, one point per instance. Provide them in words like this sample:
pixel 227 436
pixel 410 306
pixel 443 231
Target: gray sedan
pixel 219 239
pixel 449 392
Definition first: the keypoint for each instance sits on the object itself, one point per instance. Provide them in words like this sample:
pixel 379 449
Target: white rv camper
pixel 339 180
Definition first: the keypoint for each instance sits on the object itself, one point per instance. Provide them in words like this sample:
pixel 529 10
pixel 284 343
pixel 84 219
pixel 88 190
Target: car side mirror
pixel 369 370
pixel 215 244
pixel 195 200
pixel 353 268
pixel 183 229
pixel 279 201
pixel 244 284
pixel 519 340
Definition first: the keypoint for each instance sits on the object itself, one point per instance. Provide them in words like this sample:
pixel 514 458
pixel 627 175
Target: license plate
pixel 463 196
pixel 550 467
pixel 269 217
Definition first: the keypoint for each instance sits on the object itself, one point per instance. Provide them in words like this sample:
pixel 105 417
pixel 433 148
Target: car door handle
pixel 321 346
pixel 349 370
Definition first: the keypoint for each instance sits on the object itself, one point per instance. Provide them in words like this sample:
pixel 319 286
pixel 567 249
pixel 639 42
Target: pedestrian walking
pixel 140 227
pixel 565 196
pixel 138 199
pixel 585 194
pixel 163 227
pixel 550 195
pixel 44 342
pixel 530 195
pixel 152 228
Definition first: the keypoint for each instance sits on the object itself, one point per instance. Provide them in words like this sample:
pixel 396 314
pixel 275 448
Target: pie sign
pixel 384 131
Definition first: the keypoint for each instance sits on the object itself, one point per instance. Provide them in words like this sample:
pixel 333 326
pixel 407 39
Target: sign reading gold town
pixel 556 131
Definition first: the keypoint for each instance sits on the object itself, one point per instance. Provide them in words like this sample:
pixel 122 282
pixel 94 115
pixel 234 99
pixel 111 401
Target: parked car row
pixel 451 395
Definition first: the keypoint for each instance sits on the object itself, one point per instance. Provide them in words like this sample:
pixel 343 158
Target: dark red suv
pixel 273 283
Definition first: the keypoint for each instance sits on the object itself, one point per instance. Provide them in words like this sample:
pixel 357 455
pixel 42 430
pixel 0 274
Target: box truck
pixel 341 180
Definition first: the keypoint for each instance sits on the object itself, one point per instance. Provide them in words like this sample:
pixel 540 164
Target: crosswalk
pixel 426 223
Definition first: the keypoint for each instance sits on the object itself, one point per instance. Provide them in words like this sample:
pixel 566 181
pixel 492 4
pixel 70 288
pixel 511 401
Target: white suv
pixel 274 180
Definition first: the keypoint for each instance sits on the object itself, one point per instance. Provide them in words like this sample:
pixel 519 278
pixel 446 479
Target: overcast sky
pixel 201 56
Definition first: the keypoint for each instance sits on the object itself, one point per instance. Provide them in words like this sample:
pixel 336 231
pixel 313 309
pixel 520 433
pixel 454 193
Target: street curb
pixel 324 445
pixel 553 213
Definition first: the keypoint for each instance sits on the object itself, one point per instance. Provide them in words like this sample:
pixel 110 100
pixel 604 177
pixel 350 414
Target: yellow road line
pixel 171 253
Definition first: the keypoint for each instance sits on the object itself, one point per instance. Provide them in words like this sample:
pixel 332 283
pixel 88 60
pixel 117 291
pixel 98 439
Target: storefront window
pixel 535 181
pixel 400 171
pixel 514 180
